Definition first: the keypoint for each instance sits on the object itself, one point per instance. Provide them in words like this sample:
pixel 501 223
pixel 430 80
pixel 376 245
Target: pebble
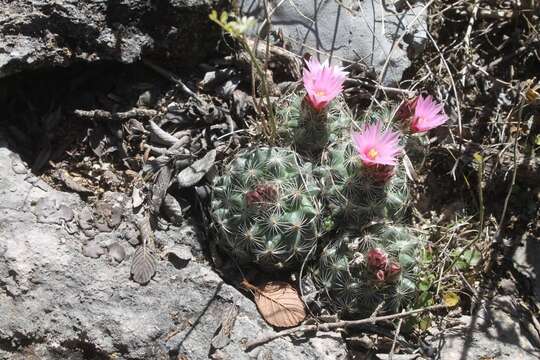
pixel 93 250
pixel 117 252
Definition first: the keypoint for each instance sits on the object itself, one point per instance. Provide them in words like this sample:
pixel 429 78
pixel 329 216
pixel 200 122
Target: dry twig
pixel 339 324
pixel 107 115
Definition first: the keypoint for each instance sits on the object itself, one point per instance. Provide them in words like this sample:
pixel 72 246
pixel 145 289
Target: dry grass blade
pixel 279 303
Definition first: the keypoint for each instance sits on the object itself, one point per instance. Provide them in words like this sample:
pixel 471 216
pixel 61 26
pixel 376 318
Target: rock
pixel 36 34
pixel 58 304
pixel 93 250
pixel 117 252
pixel 527 261
pixel 498 330
pixel 355 31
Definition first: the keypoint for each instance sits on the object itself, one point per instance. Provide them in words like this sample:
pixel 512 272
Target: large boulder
pixel 37 33
pixel 65 291
pixel 350 30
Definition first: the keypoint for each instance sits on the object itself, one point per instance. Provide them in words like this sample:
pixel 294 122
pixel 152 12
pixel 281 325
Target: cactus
pixel 357 195
pixel 377 268
pixel 265 208
pixel 308 130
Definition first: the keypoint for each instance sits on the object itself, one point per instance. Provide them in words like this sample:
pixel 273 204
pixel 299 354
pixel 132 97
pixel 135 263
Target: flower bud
pixel 393 271
pixel 377 259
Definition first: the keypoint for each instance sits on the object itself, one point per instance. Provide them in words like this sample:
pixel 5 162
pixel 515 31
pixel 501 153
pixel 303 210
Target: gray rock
pixel 117 252
pixel 93 250
pixel 498 330
pixel 37 33
pixel 527 261
pixel 351 30
pixel 58 304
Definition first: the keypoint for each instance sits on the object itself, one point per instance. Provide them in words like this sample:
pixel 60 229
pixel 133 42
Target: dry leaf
pixel 279 303
pixel 173 209
pixel 159 188
pixel 194 173
pixel 160 135
pixel 450 299
pixel 143 265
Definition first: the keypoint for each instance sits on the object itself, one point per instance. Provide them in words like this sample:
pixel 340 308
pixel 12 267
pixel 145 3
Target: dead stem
pixel 106 115
pixel 339 324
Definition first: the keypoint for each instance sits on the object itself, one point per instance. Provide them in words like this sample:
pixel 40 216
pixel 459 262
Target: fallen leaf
pixel 72 183
pixel 194 173
pixel 143 265
pixel 450 299
pixel 159 188
pixel 172 209
pixel 161 136
pixel 279 303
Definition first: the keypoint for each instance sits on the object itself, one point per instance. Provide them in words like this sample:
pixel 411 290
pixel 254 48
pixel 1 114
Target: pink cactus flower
pixel 377 147
pixel 322 82
pixel 428 114
pixel 380 275
pixel 377 259
pixel 393 271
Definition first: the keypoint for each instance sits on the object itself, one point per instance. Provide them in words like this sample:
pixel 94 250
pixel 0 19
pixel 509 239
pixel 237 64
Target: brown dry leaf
pixel 279 303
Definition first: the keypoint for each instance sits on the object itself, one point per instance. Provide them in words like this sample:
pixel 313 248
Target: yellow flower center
pixel 320 93
pixel 372 154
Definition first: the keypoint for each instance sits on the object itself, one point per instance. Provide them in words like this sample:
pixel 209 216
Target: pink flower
pixel 377 259
pixel 428 114
pixel 393 271
pixel 322 82
pixel 377 147
pixel 380 275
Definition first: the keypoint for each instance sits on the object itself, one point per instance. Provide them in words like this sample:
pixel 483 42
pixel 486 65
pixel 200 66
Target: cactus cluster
pixel 371 269
pixel 266 208
pixel 349 208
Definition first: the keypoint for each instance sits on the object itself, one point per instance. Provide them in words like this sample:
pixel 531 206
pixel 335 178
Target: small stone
pixel 93 250
pixel 18 166
pixel 117 252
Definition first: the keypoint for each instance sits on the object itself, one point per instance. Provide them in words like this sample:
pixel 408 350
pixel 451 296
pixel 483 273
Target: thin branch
pixel 385 89
pixel 391 354
pixel 107 115
pixel 339 324
pixel 498 235
pixel 169 75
